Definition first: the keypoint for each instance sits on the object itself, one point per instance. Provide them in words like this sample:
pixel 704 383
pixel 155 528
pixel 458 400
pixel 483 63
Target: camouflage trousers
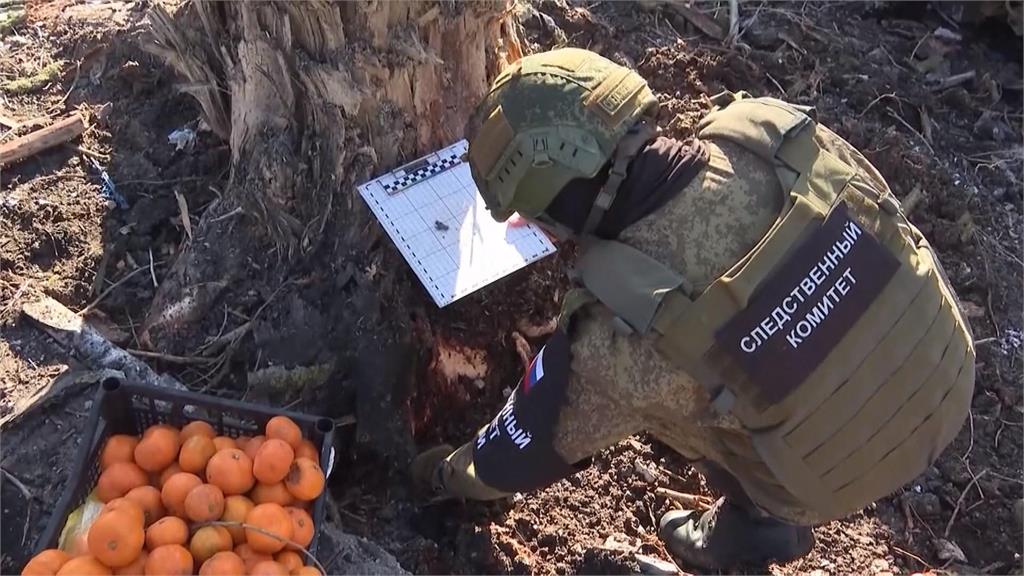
pixel 618 385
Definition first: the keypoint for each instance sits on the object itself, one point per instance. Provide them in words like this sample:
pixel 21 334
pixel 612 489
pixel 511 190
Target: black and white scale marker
pixel 419 170
pixel 433 212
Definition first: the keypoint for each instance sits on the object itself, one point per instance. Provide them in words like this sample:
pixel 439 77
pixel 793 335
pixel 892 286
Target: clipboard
pixel 433 212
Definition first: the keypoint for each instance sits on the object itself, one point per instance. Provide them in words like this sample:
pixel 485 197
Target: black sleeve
pixel 515 452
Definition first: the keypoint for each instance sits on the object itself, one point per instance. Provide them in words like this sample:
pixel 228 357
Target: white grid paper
pixel 436 217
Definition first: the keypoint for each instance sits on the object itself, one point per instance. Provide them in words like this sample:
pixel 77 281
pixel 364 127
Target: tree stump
pixel 312 97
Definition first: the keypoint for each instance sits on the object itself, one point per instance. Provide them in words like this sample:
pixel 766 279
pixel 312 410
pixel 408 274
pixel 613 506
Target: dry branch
pixel 959 502
pixel 690 500
pixel 701 21
pixel 30 144
pixel 28 502
pixel 734 22
pixel 954 80
pixel 172 358
pixel 907 125
pixel 292 545
pixel 92 305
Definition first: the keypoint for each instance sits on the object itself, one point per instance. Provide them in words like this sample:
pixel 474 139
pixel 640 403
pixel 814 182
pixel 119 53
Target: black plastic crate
pixel 123 408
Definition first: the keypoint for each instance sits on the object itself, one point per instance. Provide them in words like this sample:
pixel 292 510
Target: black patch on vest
pixel 809 304
pixel 515 452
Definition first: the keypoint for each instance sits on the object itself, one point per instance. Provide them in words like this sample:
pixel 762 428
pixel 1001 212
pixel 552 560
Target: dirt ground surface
pixel 873 71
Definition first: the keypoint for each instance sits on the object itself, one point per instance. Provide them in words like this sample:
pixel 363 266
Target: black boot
pixel 727 535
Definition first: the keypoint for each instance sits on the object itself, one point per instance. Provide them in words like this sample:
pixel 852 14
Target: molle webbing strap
pixel 794 474
pixel 827 378
pixel 627 149
pixel 898 383
pixel 921 447
pixel 893 327
pixel 901 403
pixel 895 324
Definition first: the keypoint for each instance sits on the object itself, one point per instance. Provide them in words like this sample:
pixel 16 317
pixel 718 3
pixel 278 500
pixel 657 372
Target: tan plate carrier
pixel 884 402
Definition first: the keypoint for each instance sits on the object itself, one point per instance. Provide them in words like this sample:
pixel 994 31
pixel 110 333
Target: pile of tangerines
pixel 178 501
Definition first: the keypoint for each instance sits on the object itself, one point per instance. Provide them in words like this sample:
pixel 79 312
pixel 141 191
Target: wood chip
pixel 926 125
pixel 949 550
pixel 656 566
pixel 428 16
pixel 912 200
pixel 186 221
pixel 972 310
pixel 943 33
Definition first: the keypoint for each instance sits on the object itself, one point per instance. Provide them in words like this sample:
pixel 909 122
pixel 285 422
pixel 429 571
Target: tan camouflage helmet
pixel 548 119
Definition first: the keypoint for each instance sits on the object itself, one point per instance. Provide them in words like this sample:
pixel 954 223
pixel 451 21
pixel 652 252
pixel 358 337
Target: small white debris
pixel 182 138
pixel 656 566
pixel 650 476
pixel 943 33
pixel 1011 341
pixel 948 550
pixel 619 542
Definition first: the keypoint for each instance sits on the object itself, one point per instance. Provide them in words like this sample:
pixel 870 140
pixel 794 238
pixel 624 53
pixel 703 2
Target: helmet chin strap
pixel 627 149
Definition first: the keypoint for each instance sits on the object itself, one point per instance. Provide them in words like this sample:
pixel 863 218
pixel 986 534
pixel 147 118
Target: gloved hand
pixel 427 473
pixel 441 473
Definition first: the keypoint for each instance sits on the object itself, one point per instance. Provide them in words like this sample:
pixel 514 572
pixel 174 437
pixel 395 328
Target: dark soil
pixel 953 156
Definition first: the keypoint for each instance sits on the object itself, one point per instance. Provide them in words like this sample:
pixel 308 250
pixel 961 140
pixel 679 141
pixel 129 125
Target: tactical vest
pixel 836 341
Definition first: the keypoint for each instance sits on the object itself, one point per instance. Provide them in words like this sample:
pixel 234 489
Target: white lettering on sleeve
pixel 747 344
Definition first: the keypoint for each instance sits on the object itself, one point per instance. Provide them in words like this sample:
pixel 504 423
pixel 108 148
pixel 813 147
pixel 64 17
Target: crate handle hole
pixel 324 425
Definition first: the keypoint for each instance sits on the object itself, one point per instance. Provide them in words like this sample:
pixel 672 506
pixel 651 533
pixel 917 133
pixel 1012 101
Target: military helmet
pixel 550 118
